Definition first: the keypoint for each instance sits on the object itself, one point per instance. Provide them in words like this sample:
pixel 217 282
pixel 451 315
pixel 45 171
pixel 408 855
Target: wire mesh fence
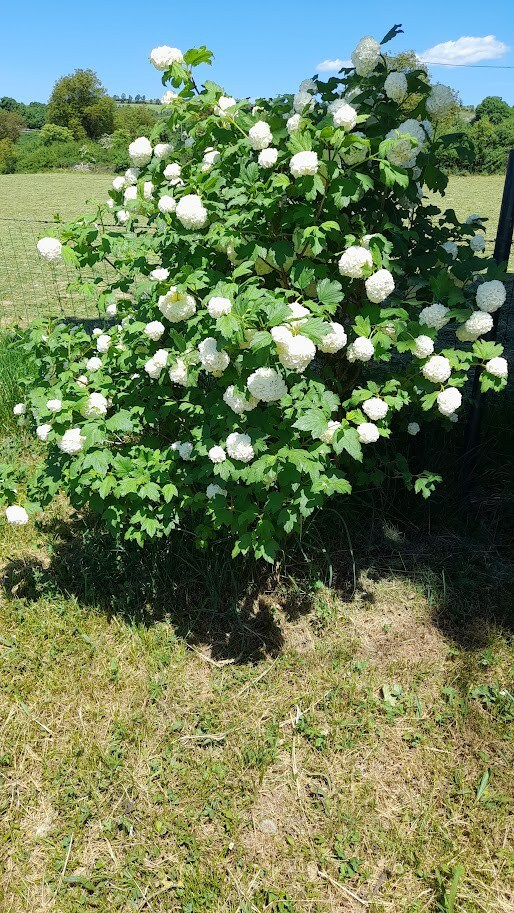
pixel 33 288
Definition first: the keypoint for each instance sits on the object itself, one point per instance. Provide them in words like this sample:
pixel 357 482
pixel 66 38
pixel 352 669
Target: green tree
pixel 11 124
pixel 54 133
pixel 35 114
pixel 80 98
pixel 134 120
pixel 494 108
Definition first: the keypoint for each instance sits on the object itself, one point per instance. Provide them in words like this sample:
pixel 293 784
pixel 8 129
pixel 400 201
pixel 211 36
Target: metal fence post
pixel 501 254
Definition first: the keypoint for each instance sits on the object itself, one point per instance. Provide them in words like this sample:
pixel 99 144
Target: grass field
pixel 30 288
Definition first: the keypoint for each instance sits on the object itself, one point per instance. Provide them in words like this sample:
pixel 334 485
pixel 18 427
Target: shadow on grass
pixel 461 562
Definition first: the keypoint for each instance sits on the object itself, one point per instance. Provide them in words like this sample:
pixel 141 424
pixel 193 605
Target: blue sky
pixel 261 48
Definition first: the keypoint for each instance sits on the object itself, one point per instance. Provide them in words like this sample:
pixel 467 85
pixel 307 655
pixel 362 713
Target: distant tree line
pixel 135 100
pixel 82 123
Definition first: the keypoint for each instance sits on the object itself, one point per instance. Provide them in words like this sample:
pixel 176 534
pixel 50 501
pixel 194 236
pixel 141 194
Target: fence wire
pixel 31 287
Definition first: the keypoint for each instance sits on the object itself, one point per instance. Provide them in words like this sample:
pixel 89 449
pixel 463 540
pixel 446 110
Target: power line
pixel 472 66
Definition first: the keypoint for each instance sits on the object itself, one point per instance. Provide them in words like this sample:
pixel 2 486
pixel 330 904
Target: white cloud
pixel 332 66
pixel 465 50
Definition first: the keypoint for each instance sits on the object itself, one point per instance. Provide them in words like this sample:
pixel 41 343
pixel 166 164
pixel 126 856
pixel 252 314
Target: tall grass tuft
pixel 12 367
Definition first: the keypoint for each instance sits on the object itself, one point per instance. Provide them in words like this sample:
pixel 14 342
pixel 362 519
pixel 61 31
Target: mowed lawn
pixel 313 751
pixel 30 288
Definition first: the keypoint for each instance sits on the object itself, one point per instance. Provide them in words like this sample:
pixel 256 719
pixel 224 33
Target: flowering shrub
pixel 284 303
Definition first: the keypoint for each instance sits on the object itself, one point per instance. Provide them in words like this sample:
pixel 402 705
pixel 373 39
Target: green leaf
pixel 347 439
pixel 120 421
pixel 329 292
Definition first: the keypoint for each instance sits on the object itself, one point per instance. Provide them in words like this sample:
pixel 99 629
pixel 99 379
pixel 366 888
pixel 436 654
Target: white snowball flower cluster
pixel 94 363
pixel 490 296
pixel 217 455
pixel 437 369
pixel 140 151
pixel 49 249
pixel 334 341
pixel 176 306
pixel 131 176
pixel 345 116
pixel 365 56
pixel 16 515
pixel 413 428
pixel 163 57
pixel 423 346
pixel 299 313
pixel 167 204
pixel 308 85
pixel 441 98
pixel 42 431
pixel 178 373
pixel 111 309
pixel 368 433
pixel 449 400
pixel 169 97
pixel 477 243
pixel 122 216
pixel 267 385
pixel 304 163
pixel 130 194
pixel 260 135
pixel 239 447
pixel 395 86
pixel 191 212
pixel 103 342
pixel 219 307
pixel 161 150
pixel 214 360
pixel 474 217
pixel 327 434
pixel 183 449
pixel 225 103
pixel 54 405
pixel 237 402
pixel 154 330
pixel 72 441
pixel 498 367
pixel 361 349
pixel 119 183
pixel 379 286
pixel 95 406
pixel 159 274
pixel 19 409
pixel 294 352
pixel 451 248
pixel 268 157
pixel 156 364
pixel 479 323
pixel 209 157
pixel 402 153
pixel 293 123
pixel 212 490
pixel 435 316
pixel 375 408
pixel 354 261
pixel 303 100
pixel 172 171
